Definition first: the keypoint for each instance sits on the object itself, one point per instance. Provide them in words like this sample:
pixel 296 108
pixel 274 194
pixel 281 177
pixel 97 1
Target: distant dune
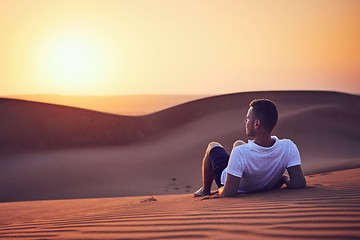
pixel 52 152
pixel 122 105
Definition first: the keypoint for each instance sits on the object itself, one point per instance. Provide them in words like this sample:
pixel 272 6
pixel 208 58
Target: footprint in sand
pixel 175 185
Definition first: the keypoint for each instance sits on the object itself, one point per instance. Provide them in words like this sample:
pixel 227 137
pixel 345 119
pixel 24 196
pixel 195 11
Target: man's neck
pixel 264 141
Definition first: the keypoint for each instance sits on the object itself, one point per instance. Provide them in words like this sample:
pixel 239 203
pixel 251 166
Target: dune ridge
pixel 83 153
pixel 120 105
pixel 27 124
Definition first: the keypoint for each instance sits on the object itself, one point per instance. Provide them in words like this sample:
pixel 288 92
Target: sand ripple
pixel 323 211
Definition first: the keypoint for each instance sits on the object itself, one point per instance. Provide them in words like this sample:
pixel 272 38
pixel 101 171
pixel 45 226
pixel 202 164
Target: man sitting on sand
pixel 256 166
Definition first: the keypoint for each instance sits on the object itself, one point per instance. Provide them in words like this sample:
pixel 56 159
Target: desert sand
pixel 328 209
pixel 131 177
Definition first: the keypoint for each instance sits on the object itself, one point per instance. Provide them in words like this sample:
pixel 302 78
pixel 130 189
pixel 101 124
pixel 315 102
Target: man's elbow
pixel 300 183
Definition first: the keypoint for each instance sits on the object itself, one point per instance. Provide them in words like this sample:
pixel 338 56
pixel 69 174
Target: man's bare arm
pixel 297 179
pixel 231 186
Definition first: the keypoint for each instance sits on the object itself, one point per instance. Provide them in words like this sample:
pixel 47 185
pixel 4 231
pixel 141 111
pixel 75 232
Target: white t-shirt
pixel 260 168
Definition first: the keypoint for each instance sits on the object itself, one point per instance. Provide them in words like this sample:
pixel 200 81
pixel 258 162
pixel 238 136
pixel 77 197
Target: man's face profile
pixel 249 123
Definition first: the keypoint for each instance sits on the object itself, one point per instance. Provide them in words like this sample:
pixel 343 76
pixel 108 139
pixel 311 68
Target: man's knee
pixel 238 143
pixel 212 145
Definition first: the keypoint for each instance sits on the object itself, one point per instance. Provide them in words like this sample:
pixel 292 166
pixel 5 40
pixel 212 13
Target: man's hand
pixel 231 186
pixel 283 180
pixel 221 190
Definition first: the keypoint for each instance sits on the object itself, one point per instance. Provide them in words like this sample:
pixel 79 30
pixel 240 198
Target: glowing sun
pixel 74 62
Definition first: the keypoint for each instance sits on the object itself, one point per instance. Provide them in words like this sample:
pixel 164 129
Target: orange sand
pixel 328 209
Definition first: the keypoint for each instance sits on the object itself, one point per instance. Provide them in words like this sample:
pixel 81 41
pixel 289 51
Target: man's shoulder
pixel 242 148
pixel 286 143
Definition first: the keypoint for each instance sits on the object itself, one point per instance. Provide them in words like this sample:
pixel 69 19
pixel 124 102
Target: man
pixel 256 166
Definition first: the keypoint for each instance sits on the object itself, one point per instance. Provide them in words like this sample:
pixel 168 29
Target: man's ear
pixel 257 124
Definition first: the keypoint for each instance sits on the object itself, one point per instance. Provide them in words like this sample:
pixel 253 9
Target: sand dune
pixel 328 209
pixel 29 126
pixel 56 152
pixel 123 105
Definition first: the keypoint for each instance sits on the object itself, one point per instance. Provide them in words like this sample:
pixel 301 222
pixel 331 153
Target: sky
pixel 108 47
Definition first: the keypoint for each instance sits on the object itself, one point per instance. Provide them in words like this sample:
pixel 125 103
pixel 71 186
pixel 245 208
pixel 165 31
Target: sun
pixel 74 62
pixel 73 58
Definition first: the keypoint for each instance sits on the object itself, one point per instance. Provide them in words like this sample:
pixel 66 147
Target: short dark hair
pixel 266 111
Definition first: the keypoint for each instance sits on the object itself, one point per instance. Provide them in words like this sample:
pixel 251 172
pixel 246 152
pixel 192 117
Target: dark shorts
pixel 219 159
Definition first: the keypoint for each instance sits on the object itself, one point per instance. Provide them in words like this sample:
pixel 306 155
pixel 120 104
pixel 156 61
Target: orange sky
pixel 178 47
